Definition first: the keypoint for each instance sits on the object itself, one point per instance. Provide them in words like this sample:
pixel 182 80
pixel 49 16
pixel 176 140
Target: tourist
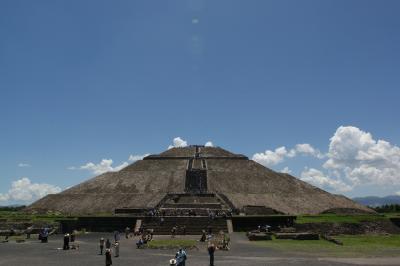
pixel 116 236
pixel 181 257
pixel 226 241
pixel 101 245
pixel 29 232
pixel 116 249
pixel 203 236
pixel 43 235
pixel 141 230
pixel 267 228
pixel 72 236
pixel 127 231
pixel 142 241
pixel 108 257
pixel 184 230
pixel 173 232
pixel 66 242
pixel 211 250
pixel 108 244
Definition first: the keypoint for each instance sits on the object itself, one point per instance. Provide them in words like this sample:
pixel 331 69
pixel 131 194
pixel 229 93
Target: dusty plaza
pixel 242 253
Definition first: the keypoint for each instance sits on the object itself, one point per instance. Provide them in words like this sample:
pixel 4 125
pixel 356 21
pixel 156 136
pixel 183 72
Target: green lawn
pixel 353 246
pixel 172 243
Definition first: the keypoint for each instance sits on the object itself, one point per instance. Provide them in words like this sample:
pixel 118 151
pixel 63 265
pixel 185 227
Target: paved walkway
pixel 242 253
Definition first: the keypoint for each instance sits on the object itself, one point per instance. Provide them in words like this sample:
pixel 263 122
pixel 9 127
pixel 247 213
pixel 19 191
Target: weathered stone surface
pixel 367 227
pixel 144 183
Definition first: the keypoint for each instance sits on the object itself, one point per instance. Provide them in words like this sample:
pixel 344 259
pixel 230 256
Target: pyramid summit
pixel 195 177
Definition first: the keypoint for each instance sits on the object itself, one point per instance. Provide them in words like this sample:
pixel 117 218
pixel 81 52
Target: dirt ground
pixel 242 253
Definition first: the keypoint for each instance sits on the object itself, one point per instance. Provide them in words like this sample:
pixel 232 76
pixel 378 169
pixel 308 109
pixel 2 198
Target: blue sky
pixel 83 81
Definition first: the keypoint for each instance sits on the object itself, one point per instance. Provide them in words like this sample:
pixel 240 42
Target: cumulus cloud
pixel 209 144
pixel 178 142
pixel 134 158
pixel 286 170
pixel 26 191
pixel 358 157
pixel 4 197
pixel 307 149
pixel 354 159
pixel 270 158
pixel 104 166
pixel 319 179
pixel 24 165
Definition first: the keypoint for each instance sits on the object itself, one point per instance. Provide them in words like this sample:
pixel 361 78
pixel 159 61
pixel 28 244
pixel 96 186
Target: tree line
pixel 387 208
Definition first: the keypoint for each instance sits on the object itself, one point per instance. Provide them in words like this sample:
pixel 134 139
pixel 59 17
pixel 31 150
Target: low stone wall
pixel 98 224
pixel 375 227
pixel 248 223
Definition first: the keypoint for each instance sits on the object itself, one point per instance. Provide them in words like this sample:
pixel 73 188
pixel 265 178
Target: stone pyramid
pixel 195 170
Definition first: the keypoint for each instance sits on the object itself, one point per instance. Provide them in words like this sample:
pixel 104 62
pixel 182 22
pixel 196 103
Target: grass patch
pixel 172 243
pixel 334 218
pixel 353 246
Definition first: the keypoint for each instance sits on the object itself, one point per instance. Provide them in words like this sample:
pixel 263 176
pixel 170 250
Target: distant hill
pixel 14 207
pixel 378 201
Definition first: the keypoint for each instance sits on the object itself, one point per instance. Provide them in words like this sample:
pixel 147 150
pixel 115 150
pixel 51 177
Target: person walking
pixel 101 244
pixel 116 236
pixel 66 242
pixel 108 257
pixel 127 232
pixel 211 250
pixel 108 244
pixel 181 257
pixel 116 249
pixel 173 232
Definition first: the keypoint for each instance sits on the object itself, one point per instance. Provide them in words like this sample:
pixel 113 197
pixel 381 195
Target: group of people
pixel 212 214
pixel 181 256
pixel 145 236
pixel 175 229
pixel 70 238
pixel 107 245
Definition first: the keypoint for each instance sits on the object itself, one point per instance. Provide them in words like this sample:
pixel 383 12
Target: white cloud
pixel 4 197
pixel 307 149
pixel 178 142
pixel 319 179
pixel 354 159
pixel 24 165
pixel 362 160
pixel 270 158
pixel 134 158
pixel 209 144
pixel 286 170
pixel 397 193
pixel 104 166
pixel 26 191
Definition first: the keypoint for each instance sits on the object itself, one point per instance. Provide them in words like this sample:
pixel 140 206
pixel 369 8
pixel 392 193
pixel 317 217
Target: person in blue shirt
pixel 181 257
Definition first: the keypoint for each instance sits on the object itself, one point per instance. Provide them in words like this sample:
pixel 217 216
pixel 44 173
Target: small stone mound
pixel 346 211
